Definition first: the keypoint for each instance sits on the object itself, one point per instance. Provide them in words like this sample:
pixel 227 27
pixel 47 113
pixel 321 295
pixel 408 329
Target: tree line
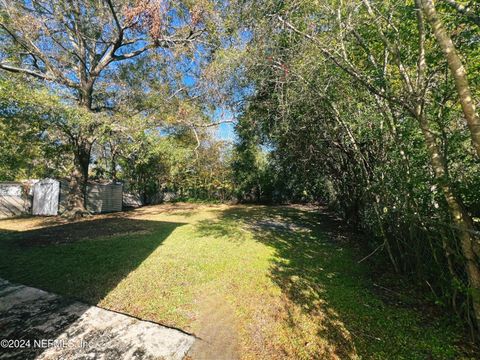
pixel 370 106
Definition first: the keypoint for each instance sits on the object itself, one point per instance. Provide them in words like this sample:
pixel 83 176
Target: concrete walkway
pixel 42 325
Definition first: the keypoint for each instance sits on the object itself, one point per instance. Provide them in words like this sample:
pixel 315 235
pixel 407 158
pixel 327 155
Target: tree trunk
pixel 458 71
pixel 76 205
pixel 113 169
pixel 82 151
pixel 78 181
pixel 460 216
pixel 113 163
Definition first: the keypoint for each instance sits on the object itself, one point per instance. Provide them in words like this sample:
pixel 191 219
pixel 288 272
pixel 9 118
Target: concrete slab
pixel 41 325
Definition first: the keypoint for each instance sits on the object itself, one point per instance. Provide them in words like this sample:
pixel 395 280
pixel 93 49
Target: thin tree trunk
pixel 364 166
pixel 457 69
pixel 460 216
pixel 113 170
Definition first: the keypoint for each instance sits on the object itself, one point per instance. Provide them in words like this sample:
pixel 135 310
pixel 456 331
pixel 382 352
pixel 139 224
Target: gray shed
pixel 102 198
pixel 51 197
pixel 14 199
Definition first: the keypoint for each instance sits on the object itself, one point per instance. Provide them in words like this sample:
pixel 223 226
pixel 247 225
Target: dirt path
pixel 217 331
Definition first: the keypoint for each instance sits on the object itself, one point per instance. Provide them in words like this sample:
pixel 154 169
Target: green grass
pixel 294 290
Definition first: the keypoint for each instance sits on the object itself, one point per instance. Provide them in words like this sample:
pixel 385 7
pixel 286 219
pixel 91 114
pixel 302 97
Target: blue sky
pixel 225 132
pixel 189 66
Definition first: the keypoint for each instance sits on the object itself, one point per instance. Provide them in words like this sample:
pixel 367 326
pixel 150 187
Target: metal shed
pixel 51 197
pixel 14 199
pixel 45 197
pixel 102 198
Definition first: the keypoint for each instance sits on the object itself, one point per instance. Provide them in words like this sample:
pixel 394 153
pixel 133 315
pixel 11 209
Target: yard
pixel 253 281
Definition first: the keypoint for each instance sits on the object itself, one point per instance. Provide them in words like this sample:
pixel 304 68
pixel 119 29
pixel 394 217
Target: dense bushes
pixel 357 109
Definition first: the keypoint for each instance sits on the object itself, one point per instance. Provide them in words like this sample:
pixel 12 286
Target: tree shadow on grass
pixel 318 272
pixel 81 261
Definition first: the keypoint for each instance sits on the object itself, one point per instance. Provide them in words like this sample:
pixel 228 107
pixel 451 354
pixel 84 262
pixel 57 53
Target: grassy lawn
pixel 259 282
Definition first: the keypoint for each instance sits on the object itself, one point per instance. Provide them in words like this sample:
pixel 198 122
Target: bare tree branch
pixel 350 70
pixel 25 71
pixel 114 15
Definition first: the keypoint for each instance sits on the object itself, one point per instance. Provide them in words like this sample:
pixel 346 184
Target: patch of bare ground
pixel 180 208
pixel 40 230
pixel 71 232
pixel 218 333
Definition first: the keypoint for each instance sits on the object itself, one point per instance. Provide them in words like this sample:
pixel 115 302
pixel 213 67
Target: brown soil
pixel 70 232
pixel 38 230
pixel 217 332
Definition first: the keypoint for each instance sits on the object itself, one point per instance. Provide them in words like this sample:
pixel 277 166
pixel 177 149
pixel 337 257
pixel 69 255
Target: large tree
pixel 77 47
